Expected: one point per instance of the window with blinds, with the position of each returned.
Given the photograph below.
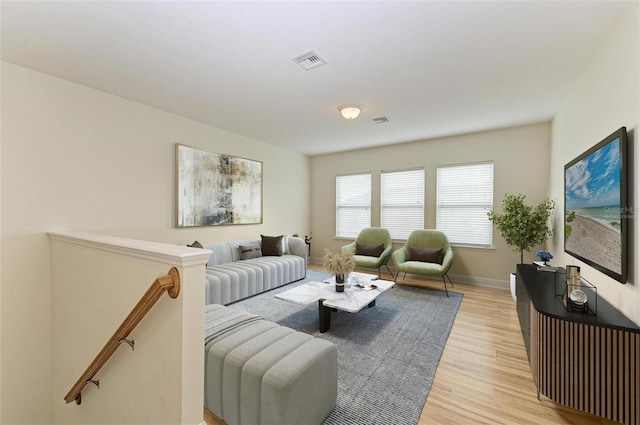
(464, 196)
(353, 204)
(402, 202)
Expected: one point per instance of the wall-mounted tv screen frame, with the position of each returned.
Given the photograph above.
(596, 208)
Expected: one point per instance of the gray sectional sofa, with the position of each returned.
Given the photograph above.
(231, 278)
(258, 372)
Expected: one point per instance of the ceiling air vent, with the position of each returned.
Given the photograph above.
(381, 120)
(309, 60)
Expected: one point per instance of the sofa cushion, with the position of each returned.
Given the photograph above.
(369, 249)
(426, 255)
(249, 251)
(272, 245)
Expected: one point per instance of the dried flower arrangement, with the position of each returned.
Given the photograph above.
(339, 264)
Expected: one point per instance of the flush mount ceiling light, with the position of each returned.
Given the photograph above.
(350, 112)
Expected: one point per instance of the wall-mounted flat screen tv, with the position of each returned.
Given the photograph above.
(596, 209)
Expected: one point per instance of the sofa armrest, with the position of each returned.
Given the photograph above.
(298, 247)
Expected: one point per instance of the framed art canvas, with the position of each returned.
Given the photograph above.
(216, 189)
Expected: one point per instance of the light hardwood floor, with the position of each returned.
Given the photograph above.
(483, 376)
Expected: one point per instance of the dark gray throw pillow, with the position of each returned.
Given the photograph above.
(249, 251)
(427, 255)
(369, 249)
(272, 245)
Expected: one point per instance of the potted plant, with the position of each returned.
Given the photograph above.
(522, 226)
(340, 264)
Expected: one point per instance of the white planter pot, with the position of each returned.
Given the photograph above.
(512, 285)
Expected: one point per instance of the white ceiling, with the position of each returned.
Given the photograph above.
(433, 68)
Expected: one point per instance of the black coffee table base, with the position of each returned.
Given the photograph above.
(324, 315)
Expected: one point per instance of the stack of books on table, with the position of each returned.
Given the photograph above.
(544, 267)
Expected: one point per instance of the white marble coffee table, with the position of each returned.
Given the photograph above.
(353, 299)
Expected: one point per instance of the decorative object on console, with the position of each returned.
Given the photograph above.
(216, 189)
(576, 293)
(521, 225)
(543, 265)
(544, 268)
(578, 297)
(544, 256)
(339, 264)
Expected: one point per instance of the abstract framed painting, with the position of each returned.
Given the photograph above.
(215, 189)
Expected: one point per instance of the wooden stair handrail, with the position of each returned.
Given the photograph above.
(169, 283)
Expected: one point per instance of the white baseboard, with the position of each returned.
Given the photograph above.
(456, 278)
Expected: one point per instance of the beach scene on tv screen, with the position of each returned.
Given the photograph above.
(592, 207)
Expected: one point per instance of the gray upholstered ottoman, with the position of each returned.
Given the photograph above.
(257, 372)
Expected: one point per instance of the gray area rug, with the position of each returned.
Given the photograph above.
(387, 354)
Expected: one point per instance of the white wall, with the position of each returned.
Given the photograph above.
(74, 158)
(521, 165)
(605, 98)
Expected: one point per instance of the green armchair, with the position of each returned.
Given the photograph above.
(426, 253)
(372, 248)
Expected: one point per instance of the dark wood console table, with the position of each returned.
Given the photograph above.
(588, 362)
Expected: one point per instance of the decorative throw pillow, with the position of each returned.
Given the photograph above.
(196, 244)
(369, 249)
(272, 245)
(427, 255)
(249, 251)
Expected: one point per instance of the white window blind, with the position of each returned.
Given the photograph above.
(464, 196)
(402, 202)
(353, 204)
